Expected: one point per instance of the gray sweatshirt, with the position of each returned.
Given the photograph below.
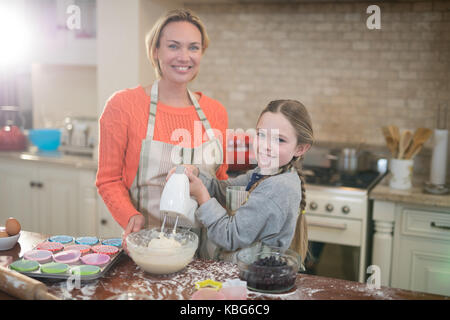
(269, 215)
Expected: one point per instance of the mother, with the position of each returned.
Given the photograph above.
(137, 127)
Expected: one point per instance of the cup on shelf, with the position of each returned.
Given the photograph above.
(401, 173)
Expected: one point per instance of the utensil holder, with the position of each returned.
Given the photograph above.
(401, 173)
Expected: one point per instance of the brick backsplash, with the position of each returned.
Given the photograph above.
(352, 80)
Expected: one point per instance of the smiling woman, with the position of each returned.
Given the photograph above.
(190, 29)
(177, 56)
(138, 125)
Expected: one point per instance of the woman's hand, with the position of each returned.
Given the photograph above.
(197, 188)
(135, 224)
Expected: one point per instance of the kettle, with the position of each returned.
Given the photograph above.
(11, 135)
(176, 200)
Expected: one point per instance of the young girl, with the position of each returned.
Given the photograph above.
(275, 207)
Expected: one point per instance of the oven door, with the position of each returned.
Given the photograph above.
(334, 230)
(334, 247)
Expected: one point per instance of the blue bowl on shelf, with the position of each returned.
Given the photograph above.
(45, 139)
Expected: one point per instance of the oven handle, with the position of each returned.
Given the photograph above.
(340, 226)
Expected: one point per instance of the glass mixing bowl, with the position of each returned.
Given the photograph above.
(161, 259)
(268, 269)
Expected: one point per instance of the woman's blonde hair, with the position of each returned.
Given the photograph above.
(300, 120)
(152, 39)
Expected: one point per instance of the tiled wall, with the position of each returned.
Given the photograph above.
(352, 79)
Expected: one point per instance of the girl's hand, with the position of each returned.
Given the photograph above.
(188, 168)
(135, 224)
(197, 188)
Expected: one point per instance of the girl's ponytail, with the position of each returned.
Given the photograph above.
(300, 241)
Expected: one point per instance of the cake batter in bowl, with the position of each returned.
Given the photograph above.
(159, 252)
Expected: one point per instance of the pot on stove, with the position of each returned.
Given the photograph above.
(351, 160)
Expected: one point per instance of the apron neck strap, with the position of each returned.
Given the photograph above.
(152, 115)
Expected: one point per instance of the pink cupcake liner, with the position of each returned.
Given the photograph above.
(41, 256)
(67, 257)
(105, 249)
(50, 246)
(83, 248)
(95, 259)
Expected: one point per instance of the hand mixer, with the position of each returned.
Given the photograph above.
(176, 201)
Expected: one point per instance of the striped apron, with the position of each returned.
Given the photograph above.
(157, 158)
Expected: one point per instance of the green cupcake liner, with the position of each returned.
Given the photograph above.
(85, 270)
(24, 265)
(54, 267)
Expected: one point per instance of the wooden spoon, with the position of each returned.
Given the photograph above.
(420, 137)
(389, 141)
(405, 141)
(395, 133)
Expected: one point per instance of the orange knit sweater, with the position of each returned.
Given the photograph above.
(123, 126)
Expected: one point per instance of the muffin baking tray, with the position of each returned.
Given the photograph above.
(61, 257)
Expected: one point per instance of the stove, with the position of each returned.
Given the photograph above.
(329, 177)
(338, 212)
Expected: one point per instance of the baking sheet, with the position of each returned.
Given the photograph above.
(68, 274)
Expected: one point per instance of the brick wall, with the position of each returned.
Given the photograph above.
(353, 80)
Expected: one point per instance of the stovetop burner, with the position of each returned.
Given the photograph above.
(331, 177)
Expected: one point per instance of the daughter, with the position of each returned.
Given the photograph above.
(274, 210)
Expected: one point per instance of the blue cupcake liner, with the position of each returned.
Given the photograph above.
(116, 242)
(90, 241)
(63, 239)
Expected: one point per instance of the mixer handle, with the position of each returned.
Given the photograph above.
(179, 169)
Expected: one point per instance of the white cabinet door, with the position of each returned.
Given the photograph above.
(430, 272)
(424, 265)
(107, 226)
(58, 200)
(87, 210)
(17, 198)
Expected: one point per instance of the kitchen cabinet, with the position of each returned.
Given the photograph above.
(48, 198)
(107, 227)
(421, 260)
(16, 195)
(411, 246)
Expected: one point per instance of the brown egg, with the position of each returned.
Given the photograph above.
(4, 234)
(12, 226)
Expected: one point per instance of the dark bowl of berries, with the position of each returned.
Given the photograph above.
(268, 269)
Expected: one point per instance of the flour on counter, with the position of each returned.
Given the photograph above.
(87, 290)
(181, 285)
(178, 286)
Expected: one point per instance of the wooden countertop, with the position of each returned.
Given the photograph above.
(127, 277)
(415, 195)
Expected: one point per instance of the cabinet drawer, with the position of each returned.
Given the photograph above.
(425, 224)
(334, 230)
